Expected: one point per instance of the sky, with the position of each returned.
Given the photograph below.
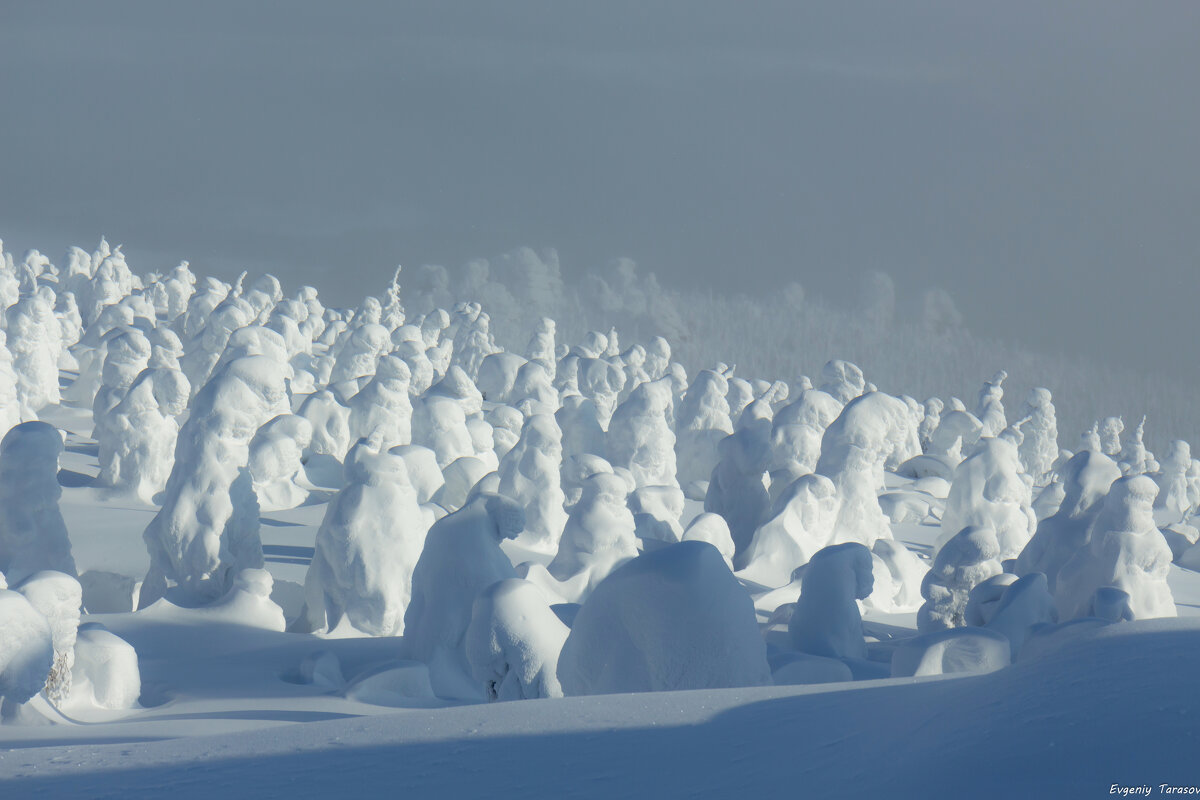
(1036, 159)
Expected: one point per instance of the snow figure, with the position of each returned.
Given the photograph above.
(473, 343)
(178, 288)
(736, 490)
(1086, 480)
(540, 349)
(137, 438)
(842, 380)
(640, 437)
(1135, 458)
(209, 294)
(1091, 439)
(506, 424)
(740, 395)
(656, 513)
(461, 558)
(634, 359)
(127, 353)
(383, 407)
(601, 381)
(513, 642)
(330, 422)
(672, 619)
(275, 462)
(10, 404)
(529, 474)
(534, 390)
(423, 471)
(967, 559)
(599, 535)
(439, 423)
(990, 409)
(367, 547)
(1173, 482)
(929, 423)
(658, 358)
(579, 420)
(90, 352)
(70, 324)
(497, 374)
(419, 366)
(898, 576)
(711, 528)
(207, 528)
(355, 362)
(957, 433)
(826, 621)
(26, 650)
(801, 523)
(1039, 449)
(206, 349)
(871, 430)
(111, 281)
(1111, 429)
(35, 359)
(1125, 551)
(703, 421)
(33, 536)
(106, 671)
(58, 597)
(990, 489)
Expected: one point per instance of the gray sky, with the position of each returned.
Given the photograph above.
(1039, 160)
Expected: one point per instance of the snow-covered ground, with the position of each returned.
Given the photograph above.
(256, 547)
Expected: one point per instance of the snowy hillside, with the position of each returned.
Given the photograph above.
(257, 546)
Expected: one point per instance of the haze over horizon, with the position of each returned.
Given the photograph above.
(1037, 162)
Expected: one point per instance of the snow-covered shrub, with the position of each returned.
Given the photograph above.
(826, 620)
(33, 536)
(34, 340)
(672, 619)
(702, 422)
(802, 523)
(1125, 551)
(382, 408)
(600, 534)
(276, 461)
(461, 558)
(330, 422)
(1172, 480)
(640, 437)
(711, 528)
(1039, 448)
(58, 597)
(991, 490)
(207, 528)
(967, 559)
(990, 409)
(137, 437)
(1086, 480)
(367, 546)
(797, 429)
(736, 489)
(513, 642)
(870, 431)
(26, 649)
(529, 474)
